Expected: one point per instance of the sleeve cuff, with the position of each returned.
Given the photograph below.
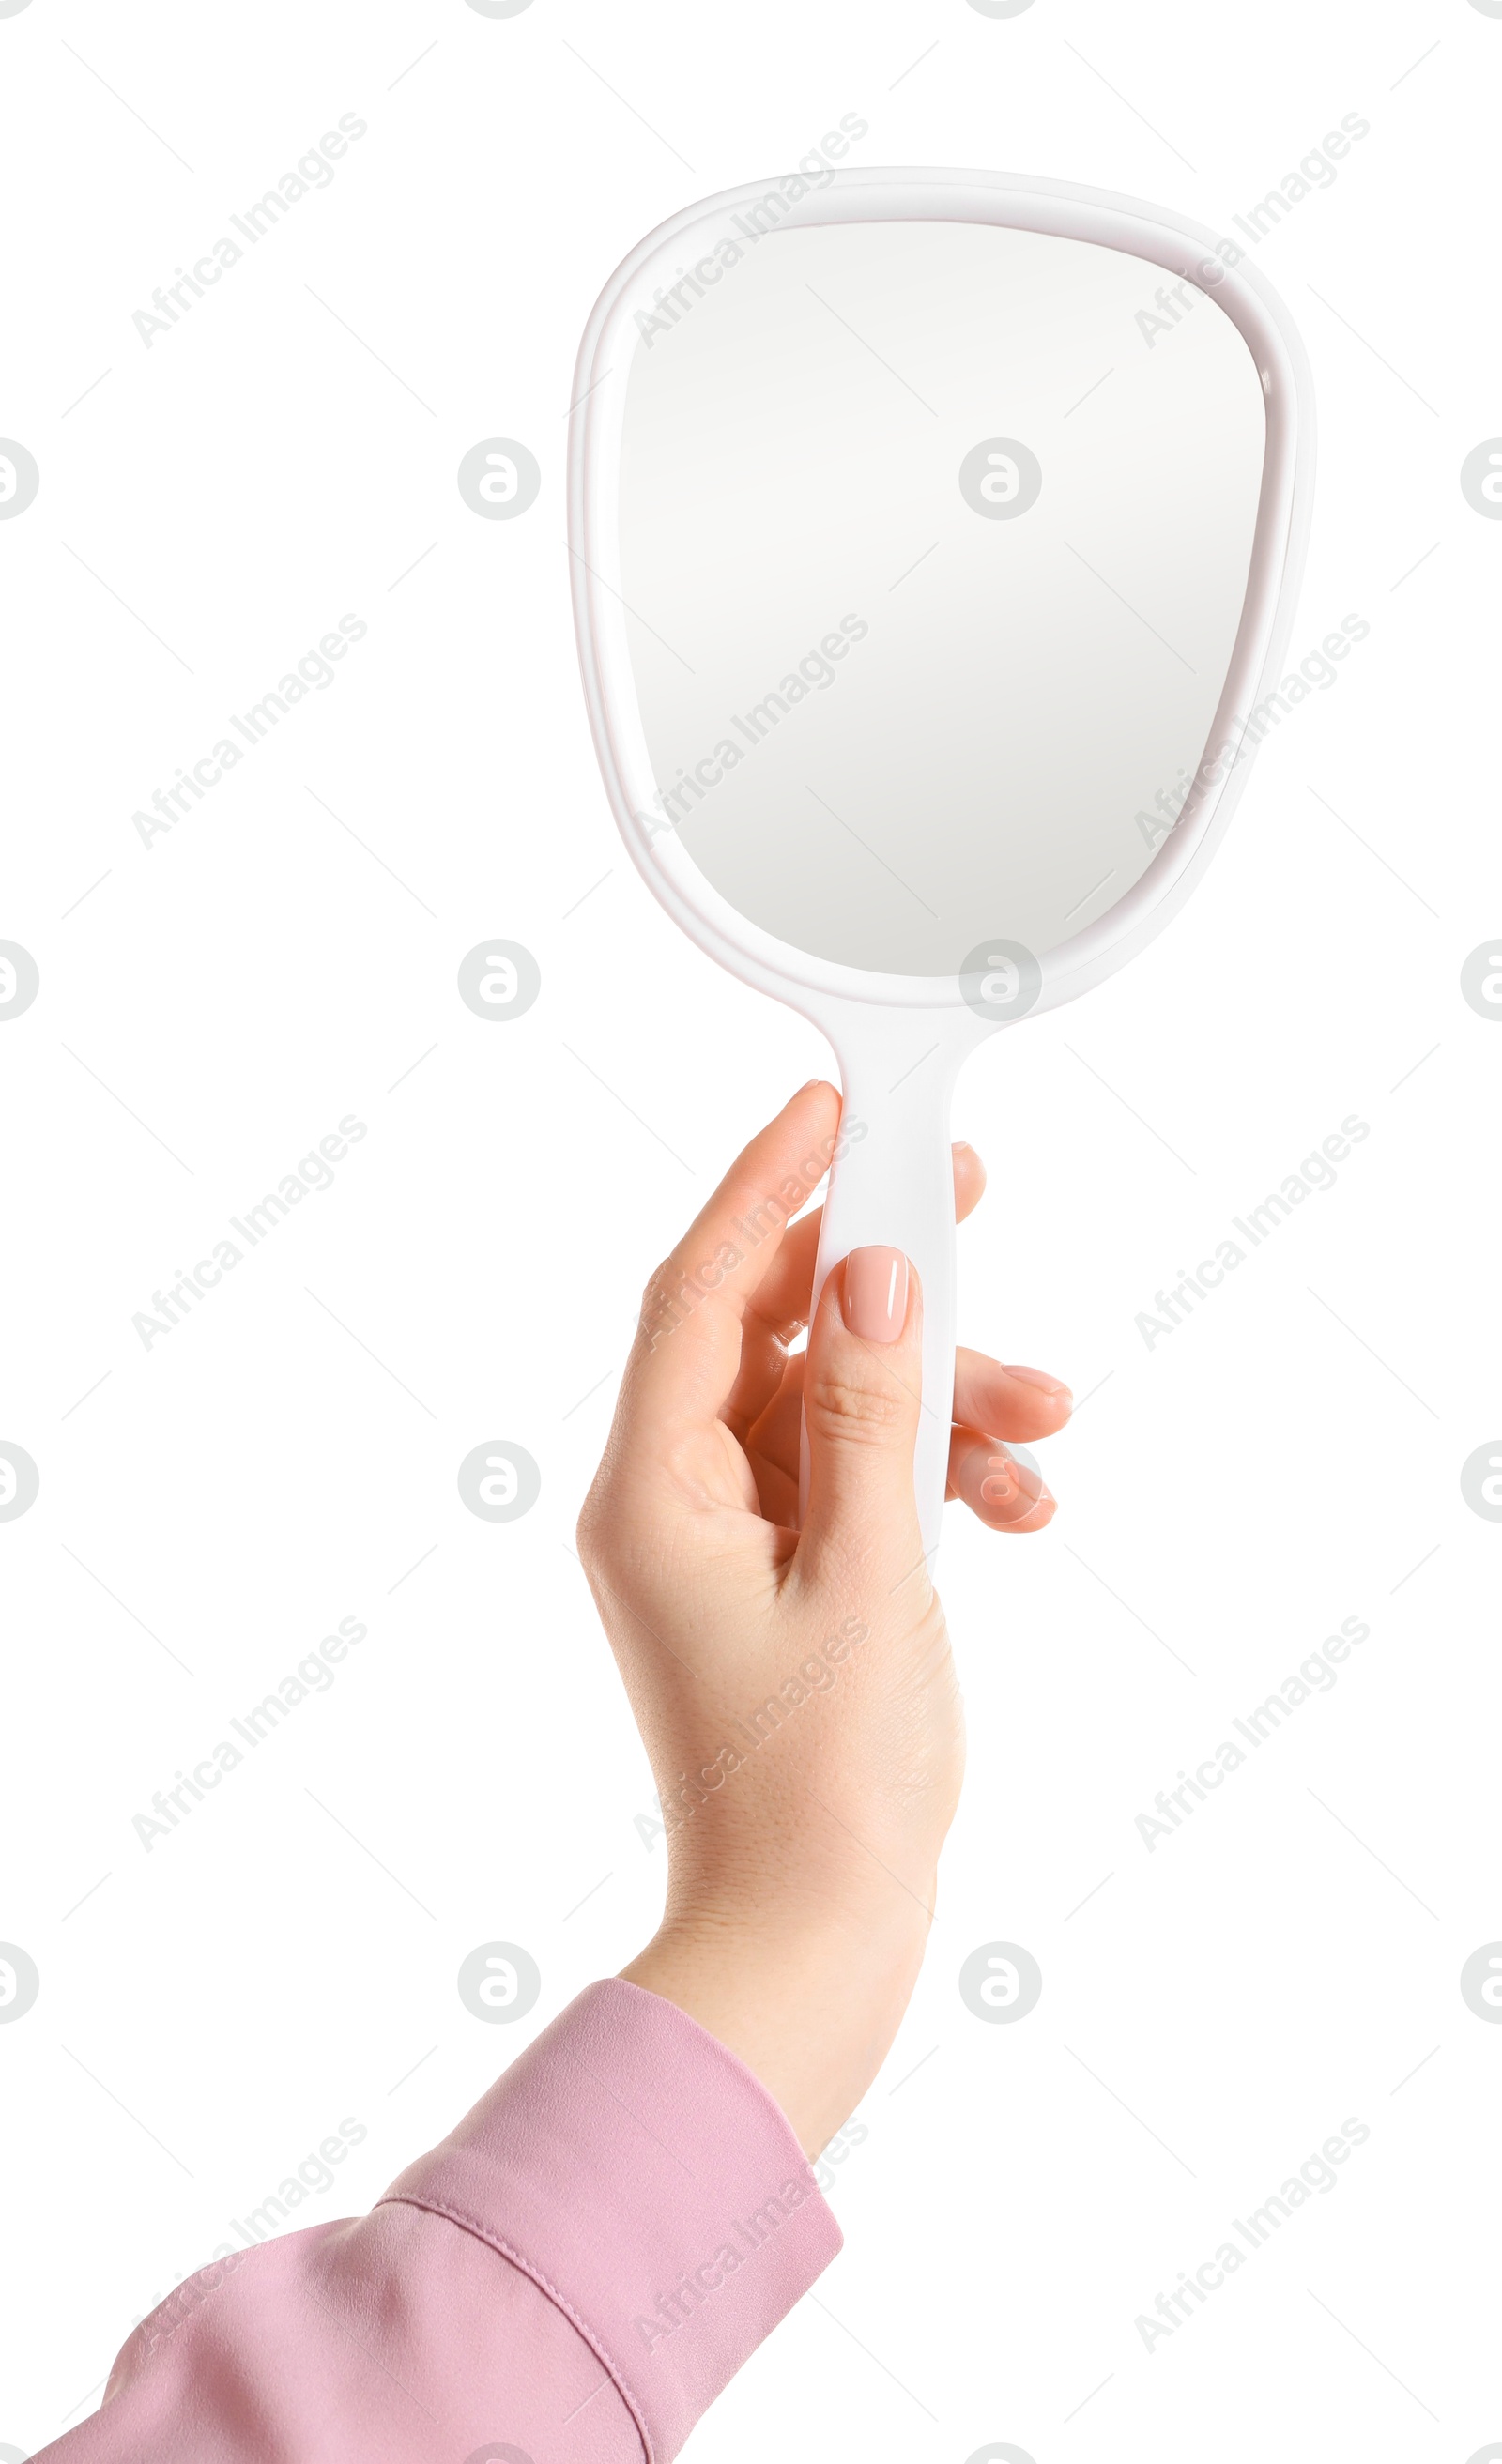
(650, 2185)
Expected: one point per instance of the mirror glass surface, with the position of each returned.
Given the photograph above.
(935, 539)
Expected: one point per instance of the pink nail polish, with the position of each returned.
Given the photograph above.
(1004, 1491)
(876, 1294)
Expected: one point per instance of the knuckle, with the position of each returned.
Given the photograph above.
(846, 1408)
(658, 1284)
(661, 1302)
(591, 1530)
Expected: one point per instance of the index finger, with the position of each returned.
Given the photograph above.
(688, 1344)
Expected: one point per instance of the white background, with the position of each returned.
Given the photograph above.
(1290, 1457)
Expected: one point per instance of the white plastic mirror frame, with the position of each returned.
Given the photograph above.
(894, 1187)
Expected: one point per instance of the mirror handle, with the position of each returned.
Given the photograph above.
(892, 1184)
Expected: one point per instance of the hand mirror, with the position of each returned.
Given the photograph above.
(935, 536)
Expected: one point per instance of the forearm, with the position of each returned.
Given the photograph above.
(616, 2225)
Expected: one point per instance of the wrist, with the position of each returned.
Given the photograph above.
(811, 2009)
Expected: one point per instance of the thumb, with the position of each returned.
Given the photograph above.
(862, 1386)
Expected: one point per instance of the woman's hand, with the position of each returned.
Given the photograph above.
(794, 1689)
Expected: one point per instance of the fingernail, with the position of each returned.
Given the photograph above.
(876, 1294)
(1040, 1378)
(1001, 1489)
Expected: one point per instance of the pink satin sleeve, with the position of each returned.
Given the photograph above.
(570, 2279)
